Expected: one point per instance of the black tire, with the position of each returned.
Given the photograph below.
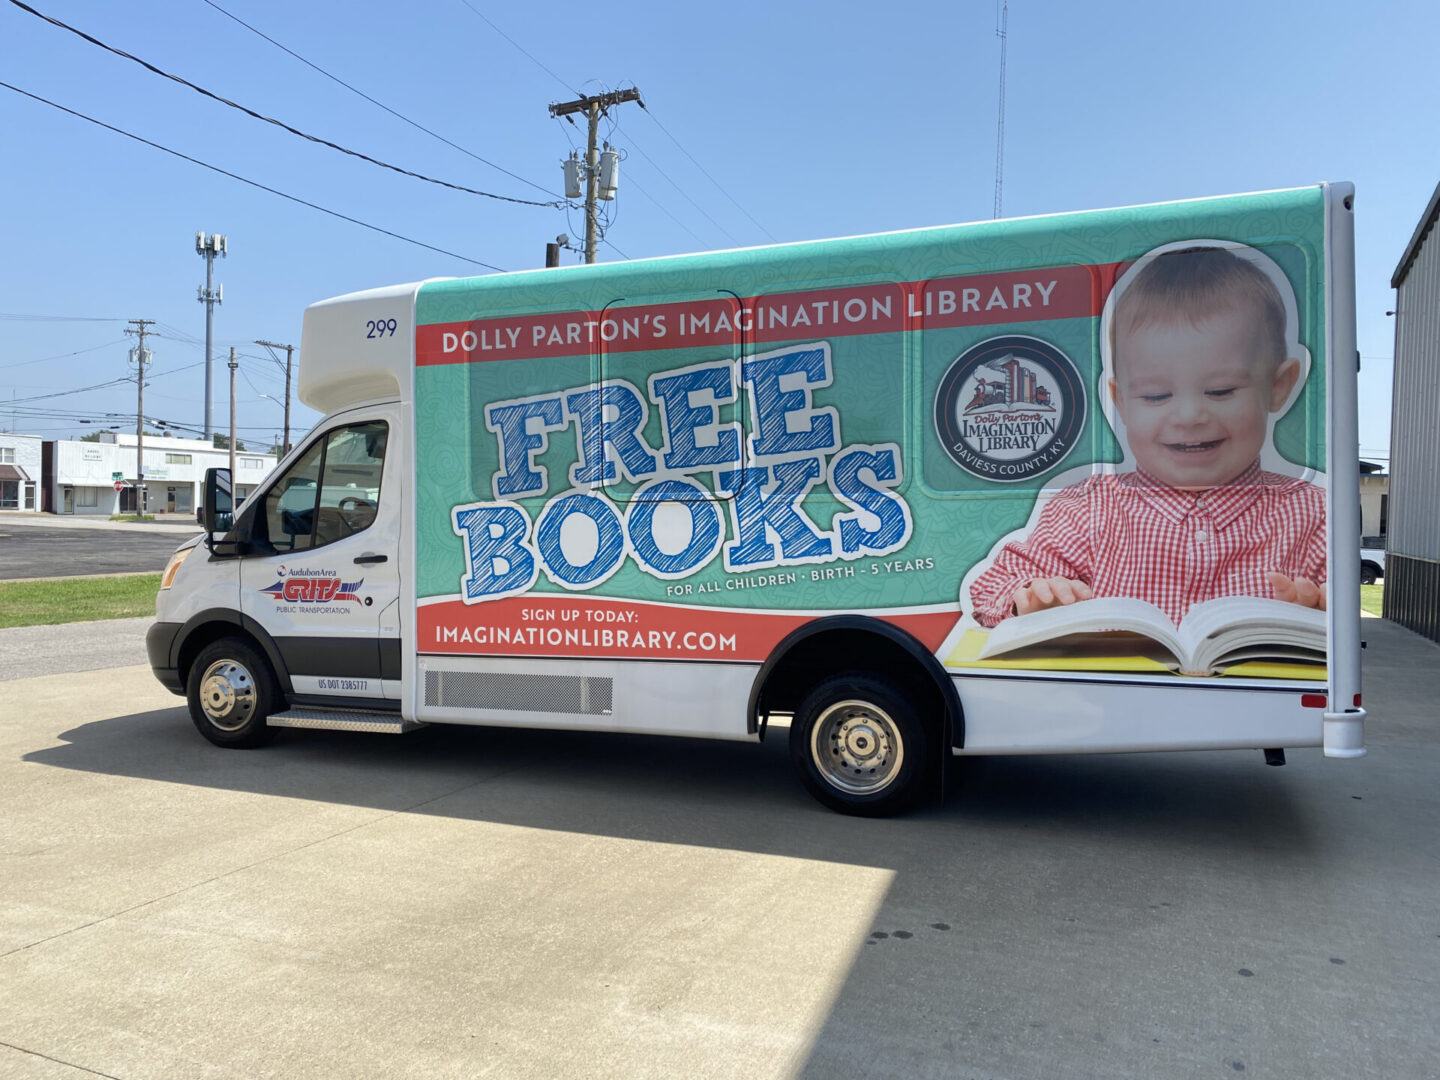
(231, 690)
(1368, 576)
(861, 745)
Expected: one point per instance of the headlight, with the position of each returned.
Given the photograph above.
(173, 566)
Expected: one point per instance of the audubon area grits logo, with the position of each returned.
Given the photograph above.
(1010, 408)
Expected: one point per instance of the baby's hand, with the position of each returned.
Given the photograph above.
(1049, 592)
(1299, 590)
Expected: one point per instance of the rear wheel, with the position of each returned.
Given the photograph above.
(231, 691)
(1368, 576)
(861, 746)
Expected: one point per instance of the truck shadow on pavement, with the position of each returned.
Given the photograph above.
(1034, 876)
(731, 795)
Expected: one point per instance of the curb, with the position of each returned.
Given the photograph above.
(81, 577)
(26, 519)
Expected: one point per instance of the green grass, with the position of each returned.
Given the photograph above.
(1372, 598)
(132, 517)
(44, 603)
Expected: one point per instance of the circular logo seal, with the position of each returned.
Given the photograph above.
(1010, 408)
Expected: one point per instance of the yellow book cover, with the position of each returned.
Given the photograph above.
(1249, 637)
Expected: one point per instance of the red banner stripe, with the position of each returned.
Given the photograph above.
(1066, 292)
(580, 626)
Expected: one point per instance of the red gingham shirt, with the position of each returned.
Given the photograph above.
(1128, 534)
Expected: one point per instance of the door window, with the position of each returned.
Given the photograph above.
(331, 492)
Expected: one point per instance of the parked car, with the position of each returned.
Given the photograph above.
(1372, 559)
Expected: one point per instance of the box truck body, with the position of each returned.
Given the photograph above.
(913, 491)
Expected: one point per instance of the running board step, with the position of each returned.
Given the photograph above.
(382, 723)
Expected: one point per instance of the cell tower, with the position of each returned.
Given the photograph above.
(1002, 28)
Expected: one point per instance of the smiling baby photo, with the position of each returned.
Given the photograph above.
(1201, 358)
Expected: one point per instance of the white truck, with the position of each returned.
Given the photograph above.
(955, 491)
(1372, 559)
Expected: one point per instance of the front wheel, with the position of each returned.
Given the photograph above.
(1368, 576)
(861, 746)
(231, 691)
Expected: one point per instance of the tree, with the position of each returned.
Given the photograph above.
(222, 442)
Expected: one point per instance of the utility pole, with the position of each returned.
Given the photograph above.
(234, 488)
(1002, 31)
(595, 107)
(207, 247)
(285, 446)
(142, 357)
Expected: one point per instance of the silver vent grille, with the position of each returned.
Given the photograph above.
(579, 694)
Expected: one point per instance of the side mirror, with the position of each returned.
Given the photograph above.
(217, 511)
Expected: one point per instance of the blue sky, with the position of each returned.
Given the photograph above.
(805, 121)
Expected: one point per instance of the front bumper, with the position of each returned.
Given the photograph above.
(160, 648)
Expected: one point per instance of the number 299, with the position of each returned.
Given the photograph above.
(378, 328)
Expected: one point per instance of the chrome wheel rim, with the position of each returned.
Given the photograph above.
(227, 695)
(856, 747)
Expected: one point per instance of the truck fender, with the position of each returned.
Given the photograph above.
(214, 623)
(855, 628)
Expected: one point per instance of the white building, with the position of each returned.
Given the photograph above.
(1374, 501)
(19, 472)
(84, 475)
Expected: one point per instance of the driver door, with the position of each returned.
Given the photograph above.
(323, 562)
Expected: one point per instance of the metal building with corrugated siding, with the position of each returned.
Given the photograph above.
(1412, 564)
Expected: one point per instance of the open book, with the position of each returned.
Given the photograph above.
(1213, 635)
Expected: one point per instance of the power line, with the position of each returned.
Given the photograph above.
(36, 413)
(264, 371)
(112, 419)
(63, 356)
(664, 209)
(174, 333)
(246, 376)
(279, 123)
(243, 180)
(378, 104)
(177, 370)
(565, 130)
(702, 168)
(57, 318)
(677, 187)
(64, 393)
(517, 45)
(616, 127)
(104, 385)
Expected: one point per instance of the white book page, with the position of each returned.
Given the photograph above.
(1212, 630)
(1084, 616)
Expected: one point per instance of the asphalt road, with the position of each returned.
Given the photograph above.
(31, 551)
(462, 902)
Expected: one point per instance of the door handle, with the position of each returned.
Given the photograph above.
(366, 560)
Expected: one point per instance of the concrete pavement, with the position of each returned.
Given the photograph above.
(28, 651)
(468, 902)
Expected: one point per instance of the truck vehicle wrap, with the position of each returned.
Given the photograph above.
(685, 495)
